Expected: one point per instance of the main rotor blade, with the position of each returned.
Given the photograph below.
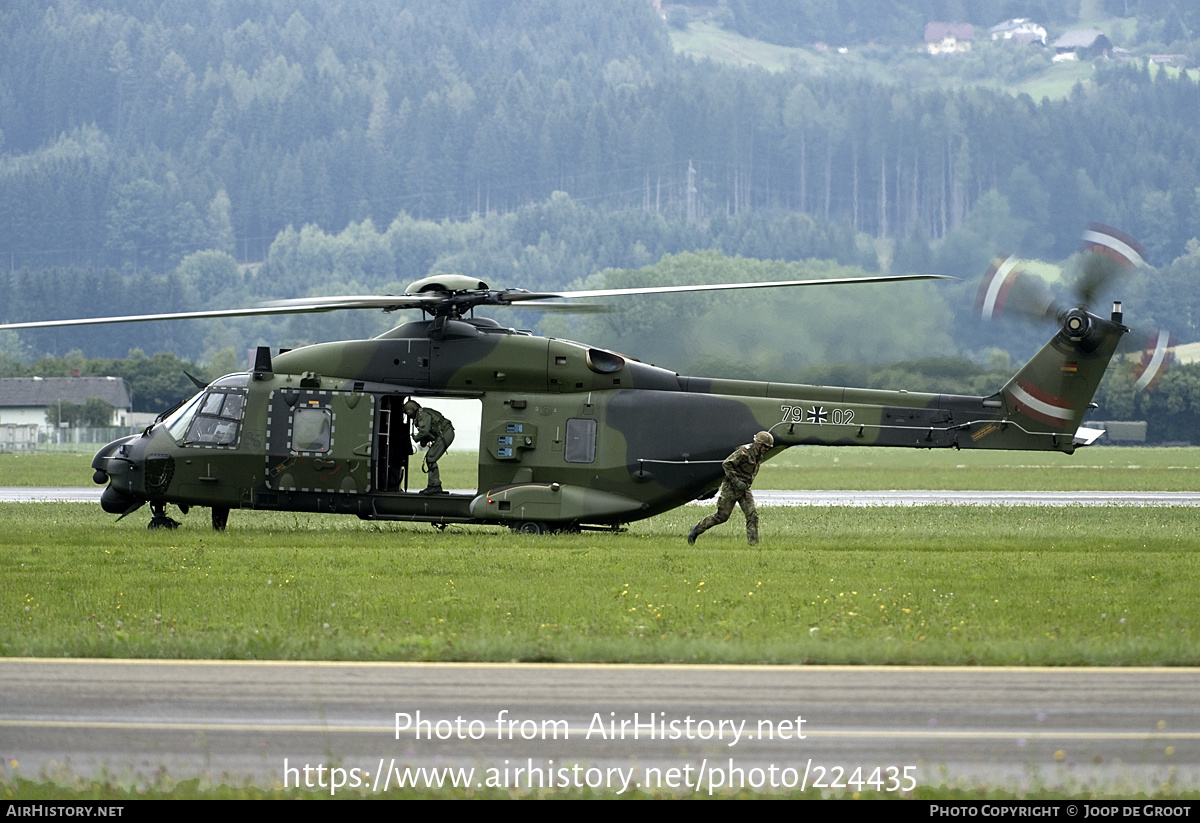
(305, 305)
(386, 302)
(770, 284)
(143, 318)
(433, 299)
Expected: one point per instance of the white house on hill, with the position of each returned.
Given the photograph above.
(948, 38)
(1021, 29)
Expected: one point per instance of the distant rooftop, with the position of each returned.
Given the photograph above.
(26, 392)
(1079, 39)
(936, 32)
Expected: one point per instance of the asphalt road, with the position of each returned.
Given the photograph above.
(698, 728)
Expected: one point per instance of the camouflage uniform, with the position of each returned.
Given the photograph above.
(435, 431)
(740, 470)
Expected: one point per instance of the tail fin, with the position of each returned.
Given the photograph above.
(1052, 392)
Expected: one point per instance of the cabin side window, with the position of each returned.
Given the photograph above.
(311, 430)
(581, 440)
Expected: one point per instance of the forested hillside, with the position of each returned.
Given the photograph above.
(159, 155)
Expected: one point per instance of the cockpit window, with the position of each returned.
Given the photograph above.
(211, 418)
(178, 421)
(237, 380)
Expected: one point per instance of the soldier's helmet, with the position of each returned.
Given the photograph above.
(765, 438)
(411, 408)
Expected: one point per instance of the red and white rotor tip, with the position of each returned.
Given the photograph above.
(1156, 356)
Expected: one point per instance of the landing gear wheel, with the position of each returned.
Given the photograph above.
(220, 518)
(159, 519)
(530, 527)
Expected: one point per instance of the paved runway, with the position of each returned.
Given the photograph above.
(678, 729)
(768, 497)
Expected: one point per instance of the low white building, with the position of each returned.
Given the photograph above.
(1085, 44)
(24, 400)
(948, 38)
(1021, 29)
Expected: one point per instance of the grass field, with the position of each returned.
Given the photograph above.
(710, 41)
(816, 467)
(1096, 469)
(992, 585)
(987, 585)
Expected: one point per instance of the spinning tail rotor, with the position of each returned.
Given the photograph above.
(1008, 289)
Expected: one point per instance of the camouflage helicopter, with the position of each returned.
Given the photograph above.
(573, 436)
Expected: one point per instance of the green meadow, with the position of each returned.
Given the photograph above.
(820, 467)
(943, 585)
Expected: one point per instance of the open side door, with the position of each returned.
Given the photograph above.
(393, 446)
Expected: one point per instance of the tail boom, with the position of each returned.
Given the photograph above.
(1041, 408)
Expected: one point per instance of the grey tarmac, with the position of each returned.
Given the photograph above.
(241, 720)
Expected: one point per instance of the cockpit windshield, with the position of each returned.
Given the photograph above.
(177, 422)
(211, 418)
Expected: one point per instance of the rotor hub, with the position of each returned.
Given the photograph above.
(1076, 324)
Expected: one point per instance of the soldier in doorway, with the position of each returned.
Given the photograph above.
(434, 433)
(740, 470)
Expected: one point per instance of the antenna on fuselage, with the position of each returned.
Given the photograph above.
(262, 363)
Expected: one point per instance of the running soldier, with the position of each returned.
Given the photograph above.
(740, 470)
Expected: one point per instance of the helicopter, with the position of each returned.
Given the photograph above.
(573, 436)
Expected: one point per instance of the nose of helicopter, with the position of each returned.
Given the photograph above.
(114, 501)
(118, 464)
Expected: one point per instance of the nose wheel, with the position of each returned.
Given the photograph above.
(220, 518)
(159, 519)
